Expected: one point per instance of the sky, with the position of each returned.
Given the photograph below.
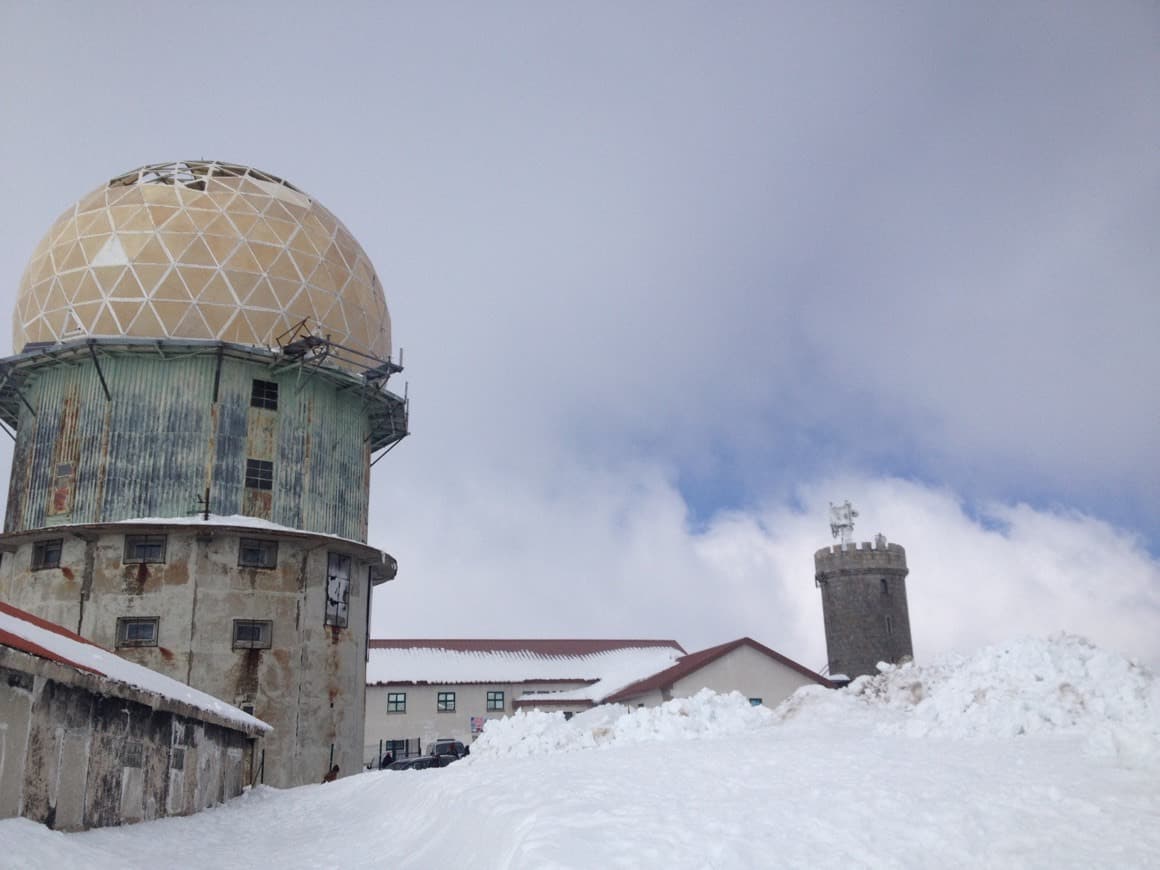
(1029, 754)
(668, 279)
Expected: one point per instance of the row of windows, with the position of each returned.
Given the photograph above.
(143, 630)
(444, 702)
(252, 552)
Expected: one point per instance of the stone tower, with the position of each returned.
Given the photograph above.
(863, 605)
(198, 390)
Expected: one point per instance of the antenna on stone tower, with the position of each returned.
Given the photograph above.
(842, 522)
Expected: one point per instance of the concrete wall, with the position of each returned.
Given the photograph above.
(309, 684)
(864, 606)
(747, 671)
(79, 751)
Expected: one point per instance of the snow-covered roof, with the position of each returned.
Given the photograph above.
(695, 661)
(236, 521)
(602, 667)
(23, 631)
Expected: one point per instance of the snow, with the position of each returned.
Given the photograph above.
(986, 760)
(609, 671)
(114, 667)
(233, 521)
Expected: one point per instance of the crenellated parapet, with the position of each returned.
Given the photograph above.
(855, 559)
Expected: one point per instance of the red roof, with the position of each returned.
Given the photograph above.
(694, 661)
(538, 647)
(20, 643)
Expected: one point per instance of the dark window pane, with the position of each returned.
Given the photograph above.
(259, 474)
(264, 394)
(46, 554)
(252, 633)
(144, 548)
(137, 631)
(257, 553)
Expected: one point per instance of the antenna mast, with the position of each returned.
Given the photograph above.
(842, 522)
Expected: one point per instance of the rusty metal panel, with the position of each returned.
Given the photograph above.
(154, 447)
(159, 414)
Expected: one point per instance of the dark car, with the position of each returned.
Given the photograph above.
(447, 748)
(421, 762)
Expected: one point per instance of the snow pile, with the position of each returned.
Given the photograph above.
(1062, 684)
(706, 714)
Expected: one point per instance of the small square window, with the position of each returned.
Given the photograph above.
(494, 700)
(177, 758)
(259, 474)
(396, 702)
(134, 753)
(445, 702)
(46, 554)
(264, 394)
(257, 553)
(252, 633)
(144, 548)
(137, 631)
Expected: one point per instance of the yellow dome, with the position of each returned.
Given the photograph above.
(201, 250)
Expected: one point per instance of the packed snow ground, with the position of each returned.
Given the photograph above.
(1031, 754)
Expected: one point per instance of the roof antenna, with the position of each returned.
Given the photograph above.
(842, 522)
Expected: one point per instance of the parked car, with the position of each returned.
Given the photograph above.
(422, 762)
(445, 747)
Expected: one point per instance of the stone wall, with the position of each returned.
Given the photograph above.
(78, 750)
(864, 606)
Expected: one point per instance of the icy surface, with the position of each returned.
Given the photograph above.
(979, 761)
(103, 662)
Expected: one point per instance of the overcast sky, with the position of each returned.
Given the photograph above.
(672, 277)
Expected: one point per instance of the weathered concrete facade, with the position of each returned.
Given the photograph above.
(304, 671)
(78, 750)
(864, 606)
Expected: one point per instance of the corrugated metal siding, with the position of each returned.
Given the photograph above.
(147, 452)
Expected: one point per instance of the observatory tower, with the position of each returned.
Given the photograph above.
(198, 389)
(863, 599)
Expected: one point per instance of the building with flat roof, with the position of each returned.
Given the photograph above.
(422, 690)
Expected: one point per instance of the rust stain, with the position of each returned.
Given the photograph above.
(68, 573)
(60, 499)
(258, 503)
(247, 681)
(166, 654)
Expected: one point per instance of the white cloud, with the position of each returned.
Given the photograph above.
(612, 552)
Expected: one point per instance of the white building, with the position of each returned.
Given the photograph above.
(420, 690)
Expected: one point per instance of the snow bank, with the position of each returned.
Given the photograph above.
(1059, 685)
(706, 714)
(1063, 684)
